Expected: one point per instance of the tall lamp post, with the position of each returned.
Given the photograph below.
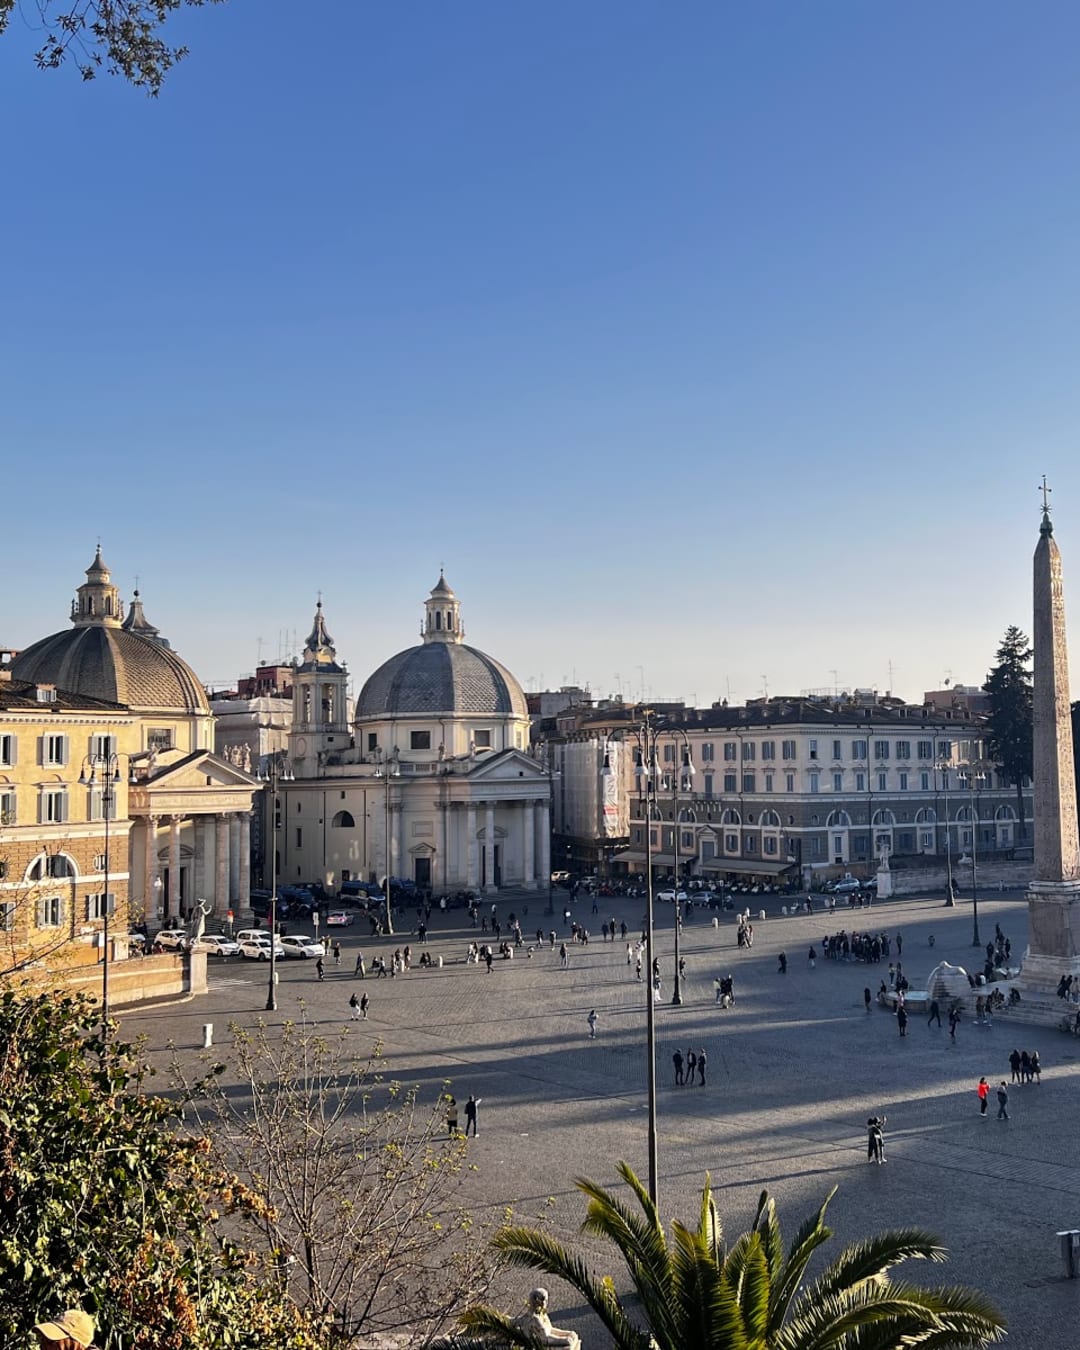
(278, 771)
(647, 774)
(950, 895)
(975, 767)
(104, 770)
(386, 769)
(682, 776)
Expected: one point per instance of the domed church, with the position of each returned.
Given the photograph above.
(432, 782)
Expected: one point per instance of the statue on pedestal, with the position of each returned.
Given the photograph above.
(537, 1323)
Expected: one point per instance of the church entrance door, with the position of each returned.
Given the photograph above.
(422, 873)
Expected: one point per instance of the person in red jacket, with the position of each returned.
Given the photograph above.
(984, 1093)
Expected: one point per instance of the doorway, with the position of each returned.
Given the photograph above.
(422, 873)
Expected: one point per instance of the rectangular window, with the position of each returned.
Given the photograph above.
(159, 738)
(669, 753)
(95, 805)
(708, 850)
(861, 843)
(8, 812)
(838, 750)
(903, 749)
(420, 740)
(708, 781)
(731, 843)
(730, 783)
(860, 782)
(730, 751)
(926, 749)
(9, 749)
(1006, 834)
(50, 912)
(768, 844)
(372, 741)
(707, 749)
(882, 782)
(789, 782)
(749, 750)
(95, 905)
(838, 844)
(924, 782)
(926, 839)
(787, 749)
(102, 747)
(903, 782)
(944, 749)
(965, 838)
(751, 843)
(99, 862)
(881, 749)
(815, 782)
(749, 783)
(7, 916)
(768, 749)
(816, 849)
(482, 740)
(299, 837)
(858, 749)
(768, 782)
(54, 750)
(53, 808)
(813, 748)
(654, 839)
(687, 837)
(838, 782)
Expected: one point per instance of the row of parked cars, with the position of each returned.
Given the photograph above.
(253, 944)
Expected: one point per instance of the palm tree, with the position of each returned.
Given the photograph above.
(696, 1294)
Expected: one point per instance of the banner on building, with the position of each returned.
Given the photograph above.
(609, 803)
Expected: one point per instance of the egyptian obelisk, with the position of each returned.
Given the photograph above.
(1054, 894)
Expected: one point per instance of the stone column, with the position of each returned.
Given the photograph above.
(150, 869)
(472, 868)
(221, 859)
(489, 846)
(243, 894)
(528, 821)
(234, 858)
(172, 900)
(545, 842)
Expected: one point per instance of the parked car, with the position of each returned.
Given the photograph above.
(258, 949)
(846, 886)
(300, 945)
(216, 945)
(171, 940)
(668, 896)
(340, 918)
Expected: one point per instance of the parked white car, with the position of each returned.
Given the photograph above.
(340, 918)
(296, 944)
(668, 896)
(214, 944)
(171, 940)
(258, 949)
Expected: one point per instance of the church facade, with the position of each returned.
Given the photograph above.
(432, 781)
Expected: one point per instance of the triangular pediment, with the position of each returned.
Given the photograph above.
(509, 766)
(200, 770)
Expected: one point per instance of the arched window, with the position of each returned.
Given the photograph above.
(343, 821)
(687, 817)
(54, 865)
(731, 818)
(884, 818)
(1004, 813)
(927, 816)
(438, 619)
(770, 820)
(838, 820)
(964, 813)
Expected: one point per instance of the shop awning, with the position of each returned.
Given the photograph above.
(740, 867)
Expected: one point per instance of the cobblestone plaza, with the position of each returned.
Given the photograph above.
(794, 1069)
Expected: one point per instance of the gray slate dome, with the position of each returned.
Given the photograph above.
(441, 677)
(113, 664)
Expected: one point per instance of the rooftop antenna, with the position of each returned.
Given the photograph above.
(891, 673)
(835, 683)
(765, 686)
(618, 684)
(641, 681)
(727, 686)
(258, 651)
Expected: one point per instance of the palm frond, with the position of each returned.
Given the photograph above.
(754, 1292)
(905, 1315)
(872, 1258)
(710, 1228)
(767, 1224)
(706, 1309)
(812, 1232)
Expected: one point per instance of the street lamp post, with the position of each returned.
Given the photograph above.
(106, 769)
(950, 896)
(278, 771)
(647, 772)
(386, 769)
(975, 939)
(682, 776)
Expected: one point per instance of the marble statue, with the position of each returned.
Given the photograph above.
(537, 1322)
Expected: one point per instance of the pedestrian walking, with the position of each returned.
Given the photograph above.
(701, 1063)
(875, 1139)
(1014, 1064)
(470, 1115)
(901, 1019)
(1036, 1068)
(592, 1020)
(677, 1060)
(637, 969)
(359, 968)
(354, 1004)
(488, 959)
(319, 969)
(783, 965)
(451, 1115)
(866, 998)
(812, 958)
(691, 1067)
(1003, 1101)
(984, 1095)
(564, 959)
(1025, 1067)
(899, 944)
(954, 1021)
(363, 1006)
(718, 985)
(337, 953)
(935, 1013)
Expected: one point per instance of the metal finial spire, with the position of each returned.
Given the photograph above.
(1047, 527)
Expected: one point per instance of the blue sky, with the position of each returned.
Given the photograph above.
(704, 345)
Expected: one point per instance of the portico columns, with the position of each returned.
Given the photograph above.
(172, 900)
(234, 858)
(221, 860)
(489, 847)
(545, 841)
(471, 868)
(529, 822)
(150, 870)
(243, 894)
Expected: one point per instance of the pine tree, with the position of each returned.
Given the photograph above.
(1011, 738)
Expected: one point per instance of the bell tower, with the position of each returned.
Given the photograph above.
(320, 694)
(97, 601)
(442, 619)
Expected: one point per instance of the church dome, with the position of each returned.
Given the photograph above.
(104, 657)
(442, 676)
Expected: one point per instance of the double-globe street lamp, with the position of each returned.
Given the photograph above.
(102, 772)
(975, 768)
(387, 768)
(278, 770)
(950, 894)
(682, 776)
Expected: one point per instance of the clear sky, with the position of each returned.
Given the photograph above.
(706, 345)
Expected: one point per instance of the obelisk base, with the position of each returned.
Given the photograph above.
(1054, 935)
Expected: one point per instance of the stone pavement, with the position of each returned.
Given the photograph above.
(794, 1069)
